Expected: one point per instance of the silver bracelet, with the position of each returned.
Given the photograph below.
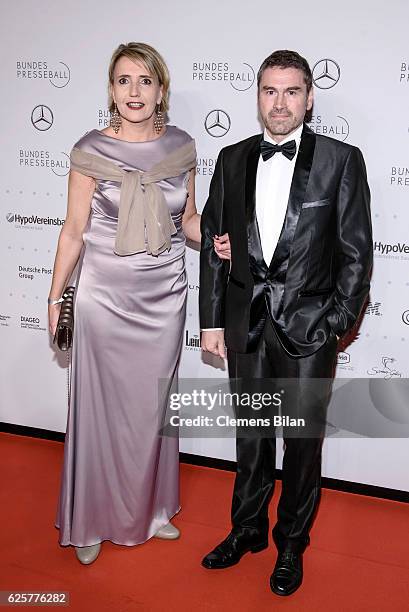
(52, 302)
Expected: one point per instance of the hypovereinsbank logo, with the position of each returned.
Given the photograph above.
(396, 250)
(32, 220)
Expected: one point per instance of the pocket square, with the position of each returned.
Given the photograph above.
(316, 203)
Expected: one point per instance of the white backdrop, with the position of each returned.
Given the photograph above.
(54, 71)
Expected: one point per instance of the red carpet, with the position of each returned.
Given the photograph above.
(358, 560)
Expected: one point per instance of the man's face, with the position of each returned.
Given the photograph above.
(283, 100)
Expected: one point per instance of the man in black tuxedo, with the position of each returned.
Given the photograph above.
(296, 207)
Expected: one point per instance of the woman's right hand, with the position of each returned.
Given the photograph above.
(53, 314)
(222, 246)
(70, 242)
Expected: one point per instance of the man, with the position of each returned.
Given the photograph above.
(296, 207)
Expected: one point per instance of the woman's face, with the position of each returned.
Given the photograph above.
(135, 91)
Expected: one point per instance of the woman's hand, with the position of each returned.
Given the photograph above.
(53, 314)
(222, 246)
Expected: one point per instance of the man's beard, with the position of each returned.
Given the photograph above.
(280, 126)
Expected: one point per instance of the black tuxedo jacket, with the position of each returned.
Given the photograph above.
(318, 279)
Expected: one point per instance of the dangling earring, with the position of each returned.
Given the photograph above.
(116, 120)
(158, 121)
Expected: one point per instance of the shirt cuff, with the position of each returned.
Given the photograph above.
(212, 329)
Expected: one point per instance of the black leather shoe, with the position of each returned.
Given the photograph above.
(287, 575)
(230, 551)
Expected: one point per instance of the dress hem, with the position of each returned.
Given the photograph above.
(119, 543)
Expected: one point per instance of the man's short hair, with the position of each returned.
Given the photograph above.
(287, 59)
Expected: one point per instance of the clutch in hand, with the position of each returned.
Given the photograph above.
(65, 325)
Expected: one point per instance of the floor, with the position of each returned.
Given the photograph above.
(357, 562)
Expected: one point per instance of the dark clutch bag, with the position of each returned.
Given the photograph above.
(65, 325)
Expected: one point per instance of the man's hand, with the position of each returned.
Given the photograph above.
(213, 342)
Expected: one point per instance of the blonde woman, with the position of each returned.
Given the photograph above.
(131, 207)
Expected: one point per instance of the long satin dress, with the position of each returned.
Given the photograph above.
(120, 478)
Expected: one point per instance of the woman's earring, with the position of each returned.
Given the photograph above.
(115, 120)
(158, 121)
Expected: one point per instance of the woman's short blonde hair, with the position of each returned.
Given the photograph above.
(147, 55)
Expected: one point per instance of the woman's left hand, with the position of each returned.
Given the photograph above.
(222, 246)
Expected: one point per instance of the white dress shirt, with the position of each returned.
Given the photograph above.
(273, 184)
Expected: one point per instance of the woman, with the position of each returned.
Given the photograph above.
(131, 204)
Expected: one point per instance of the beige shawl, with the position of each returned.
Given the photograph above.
(142, 205)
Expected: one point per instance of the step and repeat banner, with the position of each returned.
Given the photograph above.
(54, 65)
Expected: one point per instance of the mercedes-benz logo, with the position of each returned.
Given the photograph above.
(405, 317)
(217, 123)
(326, 73)
(42, 117)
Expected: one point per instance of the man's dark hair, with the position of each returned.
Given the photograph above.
(287, 59)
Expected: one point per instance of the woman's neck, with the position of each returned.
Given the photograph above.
(136, 132)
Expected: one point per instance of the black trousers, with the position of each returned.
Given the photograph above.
(301, 470)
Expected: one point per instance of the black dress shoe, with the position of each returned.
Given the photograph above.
(287, 575)
(230, 551)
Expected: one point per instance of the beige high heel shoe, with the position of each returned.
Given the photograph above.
(87, 554)
(168, 532)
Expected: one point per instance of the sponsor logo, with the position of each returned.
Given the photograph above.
(5, 320)
(373, 309)
(58, 74)
(205, 166)
(42, 117)
(32, 221)
(404, 73)
(399, 176)
(337, 127)
(405, 317)
(386, 250)
(343, 358)
(192, 343)
(29, 272)
(30, 322)
(240, 77)
(385, 370)
(326, 73)
(344, 362)
(58, 163)
(217, 123)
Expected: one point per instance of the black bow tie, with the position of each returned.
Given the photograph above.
(288, 149)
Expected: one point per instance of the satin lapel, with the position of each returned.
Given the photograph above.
(251, 174)
(296, 198)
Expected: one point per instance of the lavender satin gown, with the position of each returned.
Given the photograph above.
(120, 479)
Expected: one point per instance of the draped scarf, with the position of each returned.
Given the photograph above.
(144, 219)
